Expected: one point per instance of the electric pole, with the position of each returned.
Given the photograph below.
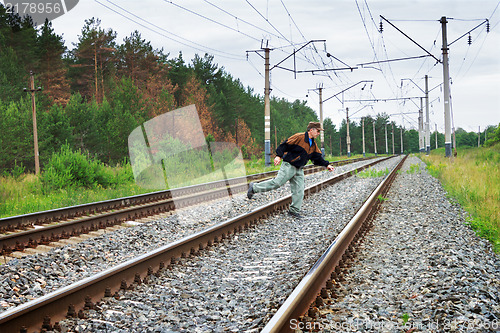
(374, 139)
(427, 129)
(446, 77)
(348, 138)
(363, 133)
(479, 137)
(32, 90)
(392, 125)
(322, 133)
(446, 85)
(386, 144)
(275, 137)
(401, 140)
(267, 91)
(454, 140)
(236, 129)
(436, 136)
(421, 127)
(267, 112)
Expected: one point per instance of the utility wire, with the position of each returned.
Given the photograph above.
(265, 19)
(473, 60)
(293, 21)
(211, 20)
(200, 47)
(228, 27)
(241, 20)
(281, 34)
(195, 45)
(383, 44)
(371, 43)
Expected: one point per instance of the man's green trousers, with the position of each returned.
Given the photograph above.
(286, 173)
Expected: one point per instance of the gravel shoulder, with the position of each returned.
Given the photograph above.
(420, 269)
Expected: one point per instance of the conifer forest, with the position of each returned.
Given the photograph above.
(93, 95)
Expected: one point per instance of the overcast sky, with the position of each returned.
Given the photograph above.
(228, 29)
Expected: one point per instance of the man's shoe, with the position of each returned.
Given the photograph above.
(296, 215)
(250, 191)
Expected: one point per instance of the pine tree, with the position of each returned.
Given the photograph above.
(178, 75)
(51, 69)
(16, 134)
(55, 131)
(196, 94)
(17, 44)
(137, 59)
(148, 70)
(22, 39)
(93, 60)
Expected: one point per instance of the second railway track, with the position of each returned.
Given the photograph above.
(31, 230)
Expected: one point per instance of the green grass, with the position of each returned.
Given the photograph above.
(473, 180)
(372, 173)
(381, 198)
(27, 195)
(405, 317)
(414, 168)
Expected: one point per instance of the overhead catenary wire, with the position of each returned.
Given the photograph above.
(231, 28)
(371, 43)
(382, 40)
(474, 59)
(179, 39)
(314, 53)
(321, 68)
(269, 22)
(313, 47)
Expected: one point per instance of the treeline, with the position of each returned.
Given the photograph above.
(95, 94)
(396, 135)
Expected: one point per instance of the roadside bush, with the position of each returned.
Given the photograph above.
(68, 168)
(17, 172)
(493, 138)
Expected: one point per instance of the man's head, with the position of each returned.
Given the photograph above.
(314, 129)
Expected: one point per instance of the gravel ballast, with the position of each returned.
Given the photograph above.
(238, 285)
(420, 269)
(32, 276)
(419, 264)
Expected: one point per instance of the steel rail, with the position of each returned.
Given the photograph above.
(165, 201)
(310, 286)
(53, 215)
(29, 316)
(49, 216)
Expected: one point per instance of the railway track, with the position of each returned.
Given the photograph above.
(20, 233)
(69, 301)
(321, 280)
